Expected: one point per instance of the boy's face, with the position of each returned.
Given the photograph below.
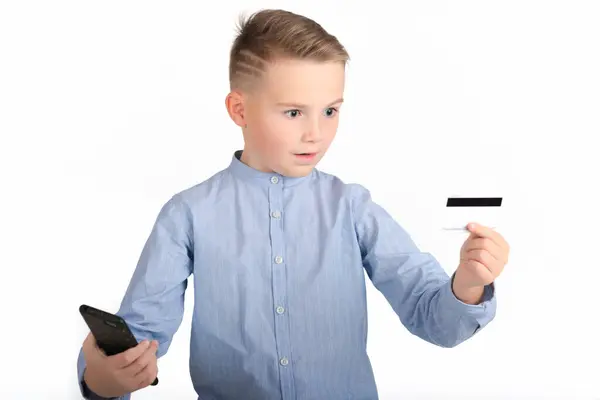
(291, 117)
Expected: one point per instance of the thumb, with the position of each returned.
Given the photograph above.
(89, 342)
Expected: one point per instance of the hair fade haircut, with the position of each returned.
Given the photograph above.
(270, 35)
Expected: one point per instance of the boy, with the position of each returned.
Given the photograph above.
(278, 249)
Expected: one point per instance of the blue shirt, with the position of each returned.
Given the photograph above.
(279, 267)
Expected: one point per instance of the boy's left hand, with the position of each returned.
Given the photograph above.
(482, 258)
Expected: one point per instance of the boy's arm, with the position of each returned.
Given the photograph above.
(154, 300)
(413, 282)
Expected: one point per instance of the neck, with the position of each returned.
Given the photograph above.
(252, 161)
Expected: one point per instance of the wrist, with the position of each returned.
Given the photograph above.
(467, 294)
(93, 389)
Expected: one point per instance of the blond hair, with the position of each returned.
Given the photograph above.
(269, 35)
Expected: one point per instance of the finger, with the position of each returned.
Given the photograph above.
(480, 270)
(122, 360)
(487, 245)
(484, 258)
(487, 232)
(142, 362)
(494, 235)
(147, 375)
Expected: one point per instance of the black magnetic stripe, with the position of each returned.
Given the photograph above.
(474, 202)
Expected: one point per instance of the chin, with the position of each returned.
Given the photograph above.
(298, 171)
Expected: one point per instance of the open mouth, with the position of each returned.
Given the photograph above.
(306, 155)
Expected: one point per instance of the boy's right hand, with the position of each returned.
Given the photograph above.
(119, 374)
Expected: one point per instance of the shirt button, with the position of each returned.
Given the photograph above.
(276, 214)
(274, 179)
(284, 361)
(278, 260)
(280, 310)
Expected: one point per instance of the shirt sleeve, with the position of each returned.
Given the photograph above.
(413, 282)
(153, 304)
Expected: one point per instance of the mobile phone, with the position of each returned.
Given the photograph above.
(111, 332)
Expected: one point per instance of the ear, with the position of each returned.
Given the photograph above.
(234, 102)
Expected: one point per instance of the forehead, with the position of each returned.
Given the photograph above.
(306, 82)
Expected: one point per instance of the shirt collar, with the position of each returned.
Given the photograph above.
(245, 172)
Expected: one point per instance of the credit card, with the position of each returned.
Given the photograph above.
(462, 210)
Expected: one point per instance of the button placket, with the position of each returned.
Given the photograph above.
(279, 267)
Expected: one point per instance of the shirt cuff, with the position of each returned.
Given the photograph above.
(483, 312)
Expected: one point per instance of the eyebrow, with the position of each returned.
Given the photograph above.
(297, 105)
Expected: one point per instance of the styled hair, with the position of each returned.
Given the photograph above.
(270, 35)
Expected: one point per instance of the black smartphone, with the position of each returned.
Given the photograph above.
(111, 332)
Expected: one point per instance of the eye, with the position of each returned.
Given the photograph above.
(330, 112)
(292, 113)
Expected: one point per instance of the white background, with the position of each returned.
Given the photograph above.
(109, 108)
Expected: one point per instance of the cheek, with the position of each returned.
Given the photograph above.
(330, 130)
(279, 132)
(271, 135)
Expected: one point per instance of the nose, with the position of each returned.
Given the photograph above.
(312, 132)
